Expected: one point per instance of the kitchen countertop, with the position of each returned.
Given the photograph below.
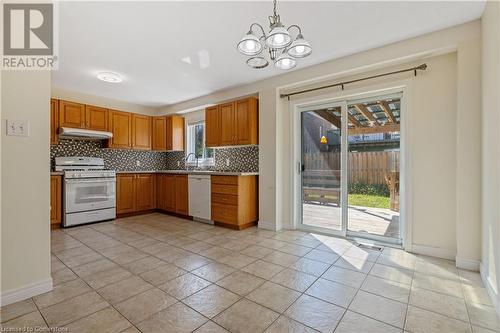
(196, 172)
(190, 172)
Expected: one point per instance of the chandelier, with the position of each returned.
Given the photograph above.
(283, 49)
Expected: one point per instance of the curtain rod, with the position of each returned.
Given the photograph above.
(422, 67)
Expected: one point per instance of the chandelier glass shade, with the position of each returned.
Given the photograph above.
(250, 45)
(283, 48)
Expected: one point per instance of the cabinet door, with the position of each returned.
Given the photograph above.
(144, 191)
(246, 121)
(159, 133)
(227, 124)
(141, 132)
(71, 114)
(55, 200)
(181, 194)
(176, 133)
(54, 120)
(120, 124)
(125, 193)
(170, 193)
(160, 191)
(96, 118)
(169, 133)
(212, 126)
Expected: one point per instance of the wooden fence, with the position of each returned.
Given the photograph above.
(363, 167)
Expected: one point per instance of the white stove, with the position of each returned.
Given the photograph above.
(89, 190)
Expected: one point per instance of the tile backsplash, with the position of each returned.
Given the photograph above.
(242, 159)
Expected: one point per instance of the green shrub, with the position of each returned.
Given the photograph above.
(369, 189)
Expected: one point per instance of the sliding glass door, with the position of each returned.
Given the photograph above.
(349, 168)
(321, 173)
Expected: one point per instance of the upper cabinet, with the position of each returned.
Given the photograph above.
(120, 124)
(246, 121)
(175, 133)
(168, 133)
(159, 133)
(76, 115)
(212, 126)
(96, 118)
(233, 123)
(141, 132)
(71, 114)
(54, 120)
(227, 124)
(130, 130)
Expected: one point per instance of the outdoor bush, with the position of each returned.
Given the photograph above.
(369, 189)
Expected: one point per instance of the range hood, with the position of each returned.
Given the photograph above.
(78, 133)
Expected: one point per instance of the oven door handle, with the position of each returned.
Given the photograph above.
(92, 180)
(93, 197)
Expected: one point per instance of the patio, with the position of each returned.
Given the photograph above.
(376, 221)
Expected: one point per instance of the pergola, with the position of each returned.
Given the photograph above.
(366, 118)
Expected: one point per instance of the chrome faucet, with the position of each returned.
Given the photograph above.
(187, 157)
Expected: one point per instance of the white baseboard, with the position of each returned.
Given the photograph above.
(267, 225)
(468, 264)
(433, 251)
(20, 294)
(489, 288)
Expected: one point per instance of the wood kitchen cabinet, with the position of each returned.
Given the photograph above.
(227, 124)
(144, 191)
(55, 200)
(175, 133)
(234, 201)
(96, 118)
(125, 193)
(232, 123)
(212, 126)
(168, 133)
(120, 124)
(172, 193)
(141, 132)
(246, 121)
(181, 194)
(71, 114)
(135, 192)
(54, 120)
(159, 133)
(77, 115)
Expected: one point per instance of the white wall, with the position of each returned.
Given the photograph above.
(446, 218)
(110, 103)
(431, 115)
(25, 193)
(490, 260)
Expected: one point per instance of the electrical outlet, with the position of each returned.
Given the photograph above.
(18, 127)
(138, 163)
(227, 162)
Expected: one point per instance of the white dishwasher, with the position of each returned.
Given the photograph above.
(200, 197)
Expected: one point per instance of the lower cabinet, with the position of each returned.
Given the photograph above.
(135, 192)
(172, 193)
(234, 201)
(55, 200)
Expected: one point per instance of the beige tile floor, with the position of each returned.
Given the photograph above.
(157, 273)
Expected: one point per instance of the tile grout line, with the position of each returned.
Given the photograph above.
(182, 234)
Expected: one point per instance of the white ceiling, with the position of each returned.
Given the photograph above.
(146, 42)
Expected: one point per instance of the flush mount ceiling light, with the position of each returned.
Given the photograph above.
(109, 77)
(283, 49)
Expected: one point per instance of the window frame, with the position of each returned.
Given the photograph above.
(190, 145)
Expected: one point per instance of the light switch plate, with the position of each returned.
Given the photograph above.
(18, 128)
